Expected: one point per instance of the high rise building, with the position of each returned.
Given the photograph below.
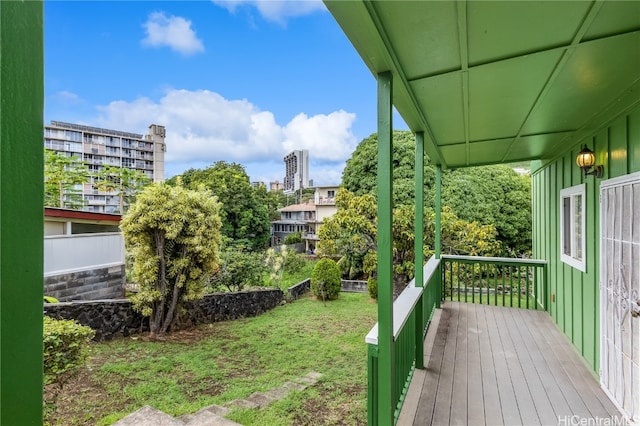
(103, 147)
(296, 171)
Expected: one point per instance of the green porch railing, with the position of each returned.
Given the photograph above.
(404, 338)
(500, 281)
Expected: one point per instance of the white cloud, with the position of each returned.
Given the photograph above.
(203, 127)
(173, 31)
(276, 10)
(66, 97)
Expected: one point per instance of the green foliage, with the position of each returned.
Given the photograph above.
(62, 175)
(325, 280)
(360, 173)
(293, 238)
(245, 211)
(123, 182)
(50, 299)
(351, 235)
(238, 270)
(494, 195)
(66, 346)
(372, 286)
(173, 235)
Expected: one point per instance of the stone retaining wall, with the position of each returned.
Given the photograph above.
(299, 289)
(114, 318)
(354, 286)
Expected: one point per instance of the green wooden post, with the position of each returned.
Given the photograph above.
(418, 244)
(386, 355)
(438, 227)
(438, 208)
(21, 212)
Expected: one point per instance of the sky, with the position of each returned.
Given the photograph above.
(239, 81)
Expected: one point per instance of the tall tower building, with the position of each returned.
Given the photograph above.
(296, 171)
(98, 148)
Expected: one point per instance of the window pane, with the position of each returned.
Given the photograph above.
(566, 226)
(577, 227)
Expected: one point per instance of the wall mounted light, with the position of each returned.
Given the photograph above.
(586, 161)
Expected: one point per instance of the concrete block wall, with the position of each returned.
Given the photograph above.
(91, 284)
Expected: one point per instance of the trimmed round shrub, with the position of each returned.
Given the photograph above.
(325, 280)
(372, 286)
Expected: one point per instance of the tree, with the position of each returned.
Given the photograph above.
(123, 182)
(492, 195)
(173, 235)
(245, 219)
(238, 270)
(360, 173)
(62, 175)
(351, 235)
(489, 195)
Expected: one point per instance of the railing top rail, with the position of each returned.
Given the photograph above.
(405, 303)
(483, 259)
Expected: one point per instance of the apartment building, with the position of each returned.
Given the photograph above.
(104, 147)
(296, 171)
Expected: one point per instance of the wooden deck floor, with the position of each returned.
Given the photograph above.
(490, 365)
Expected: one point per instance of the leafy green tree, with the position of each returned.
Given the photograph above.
(62, 175)
(325, 280)
(238, 270)
(245, 219)
(360, 173)
(173, 235)
(350, 234)
(489, 195)
(494, 195)
(123, 182)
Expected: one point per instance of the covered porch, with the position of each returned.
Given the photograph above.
(483, 83)
(495, 365)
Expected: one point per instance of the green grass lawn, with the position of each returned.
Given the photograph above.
(219, 362)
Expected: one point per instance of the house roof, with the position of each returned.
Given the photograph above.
(51, 212)
(497, 82)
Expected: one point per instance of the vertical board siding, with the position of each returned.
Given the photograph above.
(634, 135)
(576, 309)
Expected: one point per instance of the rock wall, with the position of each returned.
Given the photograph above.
(114, 318)
(299, 289)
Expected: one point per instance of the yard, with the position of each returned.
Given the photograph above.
(219, 362)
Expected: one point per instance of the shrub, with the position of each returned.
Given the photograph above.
(237, 271)
(372, 286)
(66, 346)
(293, 262)
(293, 238)
(325, 280)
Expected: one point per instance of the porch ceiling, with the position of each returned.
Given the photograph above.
(498, 82)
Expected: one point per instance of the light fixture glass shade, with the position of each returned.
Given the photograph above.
(586, 158)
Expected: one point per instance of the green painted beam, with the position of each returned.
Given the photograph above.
(418, 245)
(21, 212)
(386, 361)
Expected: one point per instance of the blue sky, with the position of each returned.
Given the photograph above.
(241, 81)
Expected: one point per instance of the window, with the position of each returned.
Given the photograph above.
(572, 226)
(331, 194)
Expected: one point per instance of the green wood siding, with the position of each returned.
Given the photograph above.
(576, 308)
